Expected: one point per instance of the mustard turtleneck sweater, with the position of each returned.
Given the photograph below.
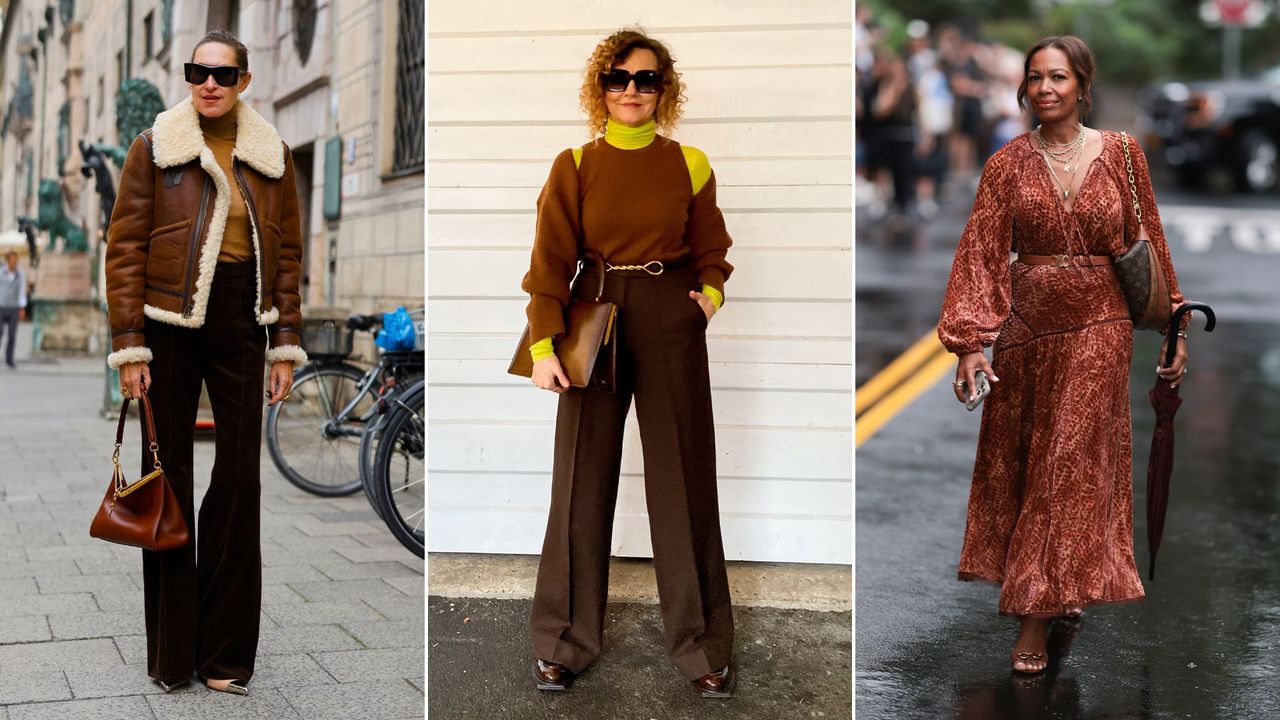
(237, 238)
(701, 238)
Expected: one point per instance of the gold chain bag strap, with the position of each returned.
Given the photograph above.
(145, 513)
(1146, 289)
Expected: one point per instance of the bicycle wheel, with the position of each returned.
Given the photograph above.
(368, 446)
(311, 450)
(400, 472)
(369, 438)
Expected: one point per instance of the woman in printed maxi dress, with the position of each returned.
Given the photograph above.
(1050, 508)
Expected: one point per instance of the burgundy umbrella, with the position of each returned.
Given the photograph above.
(1165, 400)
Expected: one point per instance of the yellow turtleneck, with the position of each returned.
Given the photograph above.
(625, 137)
(237, 238)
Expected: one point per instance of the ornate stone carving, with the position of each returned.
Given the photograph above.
(304, 28)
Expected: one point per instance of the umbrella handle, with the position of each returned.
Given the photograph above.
(1176, 321)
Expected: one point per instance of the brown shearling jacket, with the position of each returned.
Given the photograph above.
(167, 225)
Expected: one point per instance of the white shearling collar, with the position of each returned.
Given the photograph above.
(176, 139)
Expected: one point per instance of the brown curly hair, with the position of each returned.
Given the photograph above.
(615, 49)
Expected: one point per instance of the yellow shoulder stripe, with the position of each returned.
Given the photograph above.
(577, 157)
(699, 166)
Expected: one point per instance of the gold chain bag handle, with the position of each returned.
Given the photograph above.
(1141, 277)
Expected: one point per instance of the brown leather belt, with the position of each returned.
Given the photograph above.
(1065, 260)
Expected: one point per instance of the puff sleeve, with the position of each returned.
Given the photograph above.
(978, 294)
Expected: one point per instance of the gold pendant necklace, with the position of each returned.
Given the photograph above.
(1074, 149)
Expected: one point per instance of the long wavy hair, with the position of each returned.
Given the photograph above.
(614, 50)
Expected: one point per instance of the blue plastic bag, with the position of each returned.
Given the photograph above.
(398, 332)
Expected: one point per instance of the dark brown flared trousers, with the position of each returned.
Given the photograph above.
(202, 601)
(662, 362)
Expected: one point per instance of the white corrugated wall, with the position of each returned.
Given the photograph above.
(769, 99)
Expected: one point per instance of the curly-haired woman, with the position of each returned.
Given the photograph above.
(202, 267)
(639, 200)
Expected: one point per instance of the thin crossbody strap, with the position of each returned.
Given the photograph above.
(1133, 186)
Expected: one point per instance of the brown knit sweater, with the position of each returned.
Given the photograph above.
(631, 206)
(237, 239)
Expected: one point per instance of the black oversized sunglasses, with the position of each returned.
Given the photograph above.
(224, 75)
(647, 81)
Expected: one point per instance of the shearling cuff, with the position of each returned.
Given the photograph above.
(129, 355)
(287, 353)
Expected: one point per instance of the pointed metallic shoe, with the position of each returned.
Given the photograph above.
(233, 687)
(170, 687)
(717, 684)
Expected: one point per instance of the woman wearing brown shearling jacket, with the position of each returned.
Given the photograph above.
(202, 267)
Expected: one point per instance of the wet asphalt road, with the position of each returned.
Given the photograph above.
(1206, 641)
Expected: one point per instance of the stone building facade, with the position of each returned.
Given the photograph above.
(344, 76)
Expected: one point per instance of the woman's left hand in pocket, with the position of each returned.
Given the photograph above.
(704, 302)
(280, 382)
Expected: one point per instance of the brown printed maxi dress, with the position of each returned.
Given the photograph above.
(1050, 509)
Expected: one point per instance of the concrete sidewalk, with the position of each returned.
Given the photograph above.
(342, 617)
(793, 632)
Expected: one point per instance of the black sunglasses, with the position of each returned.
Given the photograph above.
(224, 75)
(647, 81)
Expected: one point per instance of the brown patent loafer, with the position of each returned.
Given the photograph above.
(717, 684)
(552, 677)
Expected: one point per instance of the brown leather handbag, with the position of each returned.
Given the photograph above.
(145, 513)
(588, 351)
(1146, 289)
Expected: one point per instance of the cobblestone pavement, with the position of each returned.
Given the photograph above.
(342, 622)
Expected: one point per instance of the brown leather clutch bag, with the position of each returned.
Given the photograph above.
(588, 349)
(145, 513)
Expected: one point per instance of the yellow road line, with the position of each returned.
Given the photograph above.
(875, 418)
(885, 380)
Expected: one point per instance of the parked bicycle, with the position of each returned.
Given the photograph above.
(397, 484)
(318, 439)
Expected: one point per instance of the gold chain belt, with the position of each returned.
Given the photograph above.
(647, 267)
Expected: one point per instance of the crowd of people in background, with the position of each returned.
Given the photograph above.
(929, 115)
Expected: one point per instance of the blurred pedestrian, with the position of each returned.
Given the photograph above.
(1050, 515)
(13, 304)
(647, 206)
(969, 85)
(1009, 119)
(202, 268)
(889, 122)
(936, 107)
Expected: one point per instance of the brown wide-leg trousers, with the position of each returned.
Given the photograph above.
(202, 600)
(662, 362)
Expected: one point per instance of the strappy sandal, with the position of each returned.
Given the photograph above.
(1028, 658)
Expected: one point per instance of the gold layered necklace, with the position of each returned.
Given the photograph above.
(1066, 154)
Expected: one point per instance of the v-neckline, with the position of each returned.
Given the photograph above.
(1053, 184)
